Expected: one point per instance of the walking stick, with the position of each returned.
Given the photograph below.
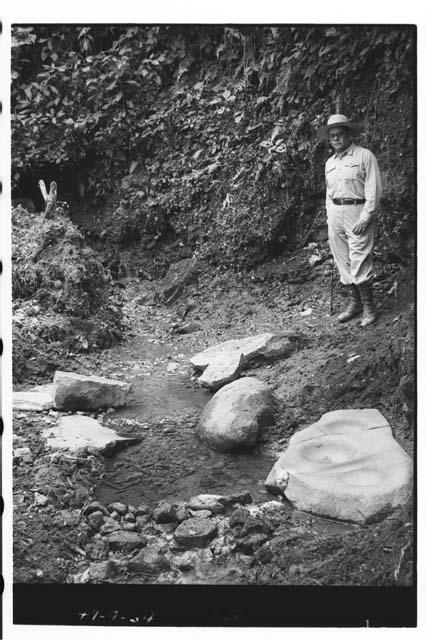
(331, 286)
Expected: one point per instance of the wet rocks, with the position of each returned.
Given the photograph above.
(74, 391)
(96, 520)
(97, 549)
(184, 561)
(209, 501)
(125, 541)
(118, 507)
(150, 560)
(239, 517)
(79, 432)
(195, 532)
(232, 419)
(346, 466)
(249, 544)
(164, 512)
(39, 398)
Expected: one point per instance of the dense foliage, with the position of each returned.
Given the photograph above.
(208, 133)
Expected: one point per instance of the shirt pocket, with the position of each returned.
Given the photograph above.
(352, 171)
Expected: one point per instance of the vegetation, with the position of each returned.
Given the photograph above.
(208, 133)
(64, 301)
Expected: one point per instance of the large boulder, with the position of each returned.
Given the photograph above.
(346, 466)
(232, 419)
(79, 432)
(74, 391)
(38, 398)
(179, 275)
(223, 362)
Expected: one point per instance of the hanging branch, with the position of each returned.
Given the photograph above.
(49, 198)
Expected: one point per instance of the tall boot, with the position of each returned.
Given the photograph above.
(354, 307)
(369, 315)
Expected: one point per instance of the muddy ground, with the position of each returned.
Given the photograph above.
(56, 541)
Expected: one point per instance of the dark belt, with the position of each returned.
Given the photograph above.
(347, 201)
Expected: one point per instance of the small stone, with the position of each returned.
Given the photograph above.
(201, 513)
(181, 513)
(115, 516)
(142, 521)
(166, 527)
(150, 560)
(184, 561)
(73, 391)
(239, 517)
(129, 526)
(255, 525)
(131, 509)
(70, 518)
(244, 497)
(96, 506)
(129, 517)
(195, 532)
(96, 520)
(97, 549)
(40, 499)
(98, 571)
(119, 507)
(251, 543)
(208, 501)
(142, 510)
(109, 526)
(164, 512)
(22, 453)
(125, 541)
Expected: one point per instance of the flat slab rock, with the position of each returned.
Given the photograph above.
(233, 418)
(223, 362)
(74, 391)
(38, 398)
(195, 532)
(78, 432)
(346, 466)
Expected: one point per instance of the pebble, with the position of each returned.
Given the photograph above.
(195, 532)
(125, 541)
(96, 520)
(119, 507)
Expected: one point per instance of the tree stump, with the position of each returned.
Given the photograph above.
(49, 198)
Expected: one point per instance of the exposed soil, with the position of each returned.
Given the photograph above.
(170, 463)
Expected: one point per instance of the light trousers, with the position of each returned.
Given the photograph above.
(353, 254)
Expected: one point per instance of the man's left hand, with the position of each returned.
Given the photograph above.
(359, 228)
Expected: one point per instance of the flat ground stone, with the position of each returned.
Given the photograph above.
(195, 532)
(149, 560)
(74, 391)
(224, 355)
(78, 432)
(346, 466)
(209, 501)
(125, 541)
(38, 398)
(233, 418)
(219, 373)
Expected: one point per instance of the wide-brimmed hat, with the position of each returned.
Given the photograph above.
(339, 120)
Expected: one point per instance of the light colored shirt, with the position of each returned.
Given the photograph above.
(355, 175)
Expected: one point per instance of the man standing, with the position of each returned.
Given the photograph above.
(354, 189)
